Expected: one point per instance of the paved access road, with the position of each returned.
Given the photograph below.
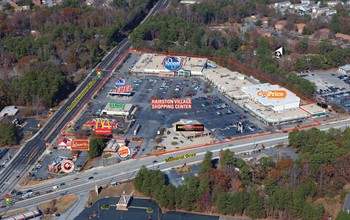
(127, 169)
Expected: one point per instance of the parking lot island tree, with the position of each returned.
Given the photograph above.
(97, 144)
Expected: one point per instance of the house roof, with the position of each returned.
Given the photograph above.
(263, 32)
(342, 36)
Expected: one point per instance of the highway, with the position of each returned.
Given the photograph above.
(20, 164)
(126, 170)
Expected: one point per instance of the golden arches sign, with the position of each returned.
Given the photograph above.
(105, 126)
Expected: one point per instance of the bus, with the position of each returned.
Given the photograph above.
(137, 129)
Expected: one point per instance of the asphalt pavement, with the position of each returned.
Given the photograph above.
(127, 170)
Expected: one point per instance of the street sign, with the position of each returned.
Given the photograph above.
(119, 83)
(67, 166)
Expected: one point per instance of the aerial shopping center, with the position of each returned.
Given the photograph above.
(272, 104)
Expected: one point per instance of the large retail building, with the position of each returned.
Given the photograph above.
(245, 91)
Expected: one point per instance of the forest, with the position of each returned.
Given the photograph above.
(282, 189)
(188, 30)
(41, 50)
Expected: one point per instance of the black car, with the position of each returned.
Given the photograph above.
(91, 177)
(62, 184)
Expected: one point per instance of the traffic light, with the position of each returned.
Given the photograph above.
(98, 73)
(7, 201)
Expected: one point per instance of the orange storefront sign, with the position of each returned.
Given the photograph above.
(80, 145)
(273, 94)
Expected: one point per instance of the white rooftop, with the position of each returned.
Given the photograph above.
(9, 111)
(346, 67)
(266, 101)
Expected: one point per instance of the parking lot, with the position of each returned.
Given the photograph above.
(332, 87)
(40, 171)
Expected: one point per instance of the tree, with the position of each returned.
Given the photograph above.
(206, 163)
(226, 157)
(255, 208)
(303, 45)
(342, 215)
(8, 134)
(234, 43)
(326, 46)
(96, 145)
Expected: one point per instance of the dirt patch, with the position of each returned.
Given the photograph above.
(14, 212)
(26, 181)
(111, 191)
(331, 205)
(57, 205)
(183, 169)
(90, 164)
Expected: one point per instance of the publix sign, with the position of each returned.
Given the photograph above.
(172, 63)
(116, 105)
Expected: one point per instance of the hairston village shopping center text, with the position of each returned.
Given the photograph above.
(171, 103)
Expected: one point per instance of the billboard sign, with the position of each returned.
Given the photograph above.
(172, 63)
(124, 152)
(123, 89)
(193, 127)
(116, 105)
(80, 145)
(67, 166)
(273, 94)
(119, 83)
(103, 126)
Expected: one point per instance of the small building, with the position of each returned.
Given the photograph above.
(191, 134)
(323, 33)
(280, 25)
(9, 111)
(333, 3)
(314, 110)
(64, 143)
(262, 32)
(117, 109)
(189, 2)
(345, 69)
(342, 37)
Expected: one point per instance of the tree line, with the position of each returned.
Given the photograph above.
(258, 190)
(44, 47)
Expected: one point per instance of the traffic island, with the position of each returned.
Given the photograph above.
(105, 206)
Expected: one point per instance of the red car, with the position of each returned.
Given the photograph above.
(76, 178)
(50, 191)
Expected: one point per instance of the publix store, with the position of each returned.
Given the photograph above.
(114, 108)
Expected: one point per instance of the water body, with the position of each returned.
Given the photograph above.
(137, 211)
